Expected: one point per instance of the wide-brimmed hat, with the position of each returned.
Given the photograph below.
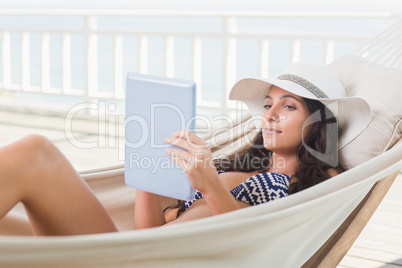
(309, 81)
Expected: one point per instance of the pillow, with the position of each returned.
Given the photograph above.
(382, 88)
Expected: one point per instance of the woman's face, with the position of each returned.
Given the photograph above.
(283, 119)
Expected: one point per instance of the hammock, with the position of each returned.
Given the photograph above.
(314, 227)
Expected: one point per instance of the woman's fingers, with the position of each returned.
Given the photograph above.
(180, 157)
(187, 160)
(186, 140)
(179, 153)
(196, 156)
(179, 142)
(195, 160)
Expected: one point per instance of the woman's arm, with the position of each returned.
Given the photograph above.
(147, 211)
(219, 199)
(197, 163)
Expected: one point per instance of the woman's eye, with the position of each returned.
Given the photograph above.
(291, 108)
(267, 106)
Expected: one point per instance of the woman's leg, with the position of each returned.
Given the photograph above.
(15, 224)
(58, 202)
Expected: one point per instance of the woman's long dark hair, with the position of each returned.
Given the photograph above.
(316, 154)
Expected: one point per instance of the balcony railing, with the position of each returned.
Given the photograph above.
(86, 54)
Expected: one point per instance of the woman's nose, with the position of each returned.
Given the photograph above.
(271, 115)
(272, 118)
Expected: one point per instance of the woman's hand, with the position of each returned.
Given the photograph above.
(195, 159)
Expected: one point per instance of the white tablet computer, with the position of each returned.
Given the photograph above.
(155, 107)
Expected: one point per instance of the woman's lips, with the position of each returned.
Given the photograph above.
(271, 131)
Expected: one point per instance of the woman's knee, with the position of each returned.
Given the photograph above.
(37, 144)
(36, 140)
(36, 150)
(25, 159)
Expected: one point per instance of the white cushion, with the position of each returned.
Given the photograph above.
(382, 88)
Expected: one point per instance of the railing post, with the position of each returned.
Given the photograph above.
(66, 63)
(25, 61)
(91, 26)
(295, 50)
(143, 54)
(6, 46)
(197, 65)
(118, 66)
(229, 58)
(45, 50)
(264, 58)
(329, 51)
(169, 56)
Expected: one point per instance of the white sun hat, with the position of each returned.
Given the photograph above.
(309, 81)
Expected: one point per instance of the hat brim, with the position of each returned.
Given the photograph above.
(353, 114)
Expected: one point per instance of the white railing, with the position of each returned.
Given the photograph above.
(229, 32)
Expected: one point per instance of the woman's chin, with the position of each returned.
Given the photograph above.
(270, 146)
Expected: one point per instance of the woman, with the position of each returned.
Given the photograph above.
(58, 202)
(296, 148)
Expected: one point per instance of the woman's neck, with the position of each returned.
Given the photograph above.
(286, 164)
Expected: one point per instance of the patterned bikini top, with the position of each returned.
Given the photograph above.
(257, 189)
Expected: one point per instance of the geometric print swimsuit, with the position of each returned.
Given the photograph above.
(257, 189)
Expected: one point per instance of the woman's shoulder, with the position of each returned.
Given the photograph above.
(332, 172)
